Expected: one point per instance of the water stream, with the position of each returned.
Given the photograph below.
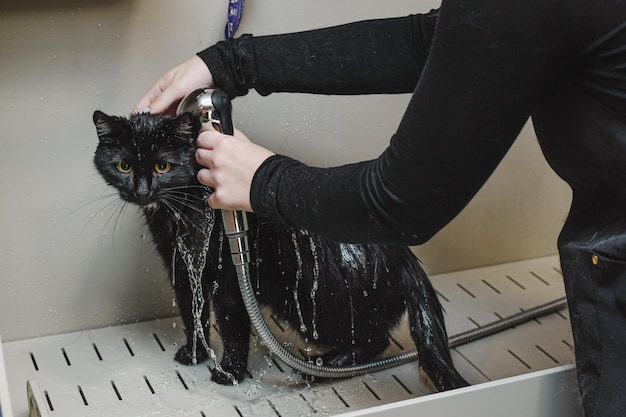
(192, 244)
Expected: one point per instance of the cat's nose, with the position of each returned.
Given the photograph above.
(143, 196)
(142, 190)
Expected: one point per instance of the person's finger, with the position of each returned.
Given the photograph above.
(207, 138)
(146, 101)
(203, 157)
(205, 178)
(212, 201)
(166, 102)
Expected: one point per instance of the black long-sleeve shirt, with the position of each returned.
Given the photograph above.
(476, 70)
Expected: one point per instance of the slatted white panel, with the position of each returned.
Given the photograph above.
(129, 371)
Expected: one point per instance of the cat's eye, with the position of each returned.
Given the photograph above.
(162, 167)
(124, 167)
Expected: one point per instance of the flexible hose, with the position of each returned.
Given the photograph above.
(322, 371)
(506, 323)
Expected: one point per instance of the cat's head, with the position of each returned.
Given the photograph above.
(145, 156)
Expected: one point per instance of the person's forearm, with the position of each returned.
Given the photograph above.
(477, 89)
(375, 56)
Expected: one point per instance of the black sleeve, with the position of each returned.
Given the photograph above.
(488, 65)
(375, 56)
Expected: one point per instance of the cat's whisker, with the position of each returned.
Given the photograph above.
(114, 203)
(181, 191)
(175, 199)
(184, 197)
(181, 187)
(88, 203)
(172, 208)
(182, 216)
(120, 213)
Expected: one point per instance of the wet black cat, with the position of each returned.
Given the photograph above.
(345, 298)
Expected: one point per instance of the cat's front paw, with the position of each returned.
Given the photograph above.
(228, 373)
(186, 357)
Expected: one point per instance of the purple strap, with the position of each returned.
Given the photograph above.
(235, 10)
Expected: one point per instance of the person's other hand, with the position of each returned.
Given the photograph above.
(166, 93)
(230, 163)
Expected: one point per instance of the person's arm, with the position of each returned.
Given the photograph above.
(374, 56)
(487, 68)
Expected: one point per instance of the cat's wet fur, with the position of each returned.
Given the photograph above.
(150, 159)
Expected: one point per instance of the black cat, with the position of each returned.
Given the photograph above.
(344, 298)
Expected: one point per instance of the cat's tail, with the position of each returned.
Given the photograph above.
(428, 330)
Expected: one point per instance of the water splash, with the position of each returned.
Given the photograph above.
(194, 256)
(296, 248)
(314, 285)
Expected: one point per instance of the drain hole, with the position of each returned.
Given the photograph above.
(396, 343)
(491, 286)
(95, 348)
(280, 368)
(277, 323)
(372, 391)
(402, 384)
(145, 378)
(82, 395)
(547, 354)
(442, 296)
(515, 282)
(519, 359)
(130, 350)
(340, 397)
(182, 381)
(274, 408)
(67, 360)
(539, 278)
(308, 403)
(119, 397)
(466, 290)
(45, 393)
(32, 358)
(156, 338)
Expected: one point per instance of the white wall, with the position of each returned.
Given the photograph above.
(68, 262)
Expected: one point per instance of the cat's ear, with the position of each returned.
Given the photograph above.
(183, 126)
(106, 126)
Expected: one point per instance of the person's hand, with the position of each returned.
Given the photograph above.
(230, 163)
(166, 93)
